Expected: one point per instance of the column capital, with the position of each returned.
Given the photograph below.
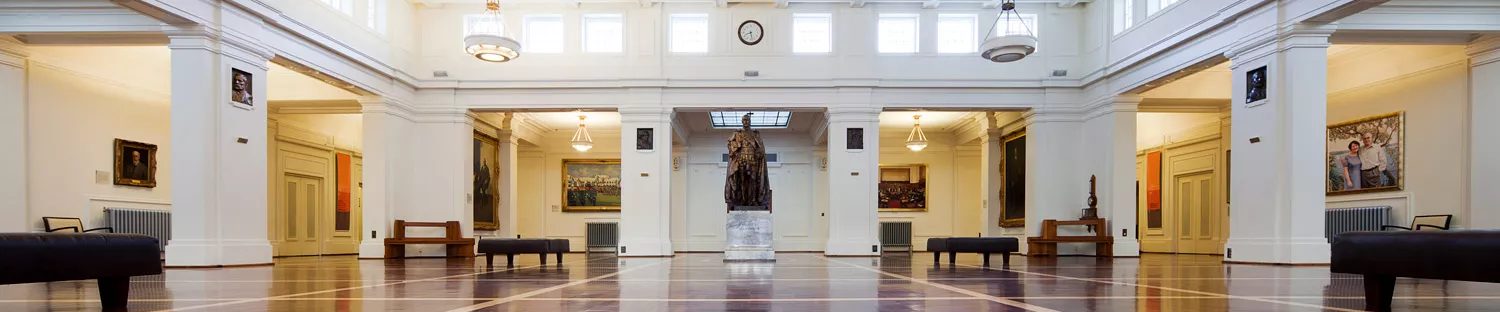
(1124, 103)
(233, 44)
(645, 114)
(853, 114)
(1044, 115)
(1300, 35)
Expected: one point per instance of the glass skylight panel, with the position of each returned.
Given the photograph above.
(544, 34)
(812, 33)
(956, 33)
(758, 119)
(897, 33)
(689, 33)
(603, 33)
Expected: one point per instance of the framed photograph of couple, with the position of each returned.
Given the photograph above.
(1367, 155)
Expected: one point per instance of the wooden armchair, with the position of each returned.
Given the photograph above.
(64, 224)
(1429, 222)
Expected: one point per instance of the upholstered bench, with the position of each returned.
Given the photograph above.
(110, 258)
(512, 246)
(983, 245)
(1383, 256)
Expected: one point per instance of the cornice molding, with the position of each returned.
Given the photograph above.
(1484, 51)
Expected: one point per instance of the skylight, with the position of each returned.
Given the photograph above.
(758, 119)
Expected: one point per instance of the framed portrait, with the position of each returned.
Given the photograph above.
(591, 185)
(644, 139)
(135, 163)
(1367, 155)
(902, 188)
(241, 86)
(1013, 176)
(1255, 85)
(486, 182)
(854, 139)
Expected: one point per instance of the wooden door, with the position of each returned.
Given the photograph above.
(1197, 214)
(301, 204)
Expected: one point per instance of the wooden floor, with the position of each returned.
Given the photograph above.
(796, 282)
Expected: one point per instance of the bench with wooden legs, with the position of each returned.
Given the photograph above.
(456, 244)
(1046, 245)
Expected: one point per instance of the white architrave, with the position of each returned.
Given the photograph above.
(1282, 220)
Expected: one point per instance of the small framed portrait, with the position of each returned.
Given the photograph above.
(1255, 85)
(135, 163)
(855, 139)
(644, 140)
(241, 86)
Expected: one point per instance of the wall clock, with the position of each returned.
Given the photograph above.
(751, 32)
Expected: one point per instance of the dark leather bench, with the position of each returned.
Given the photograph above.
(1383, 256)
(110, 258)
(512, 246)
(983, 245)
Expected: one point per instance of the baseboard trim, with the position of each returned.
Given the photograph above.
(222, 266)
(1279, 264)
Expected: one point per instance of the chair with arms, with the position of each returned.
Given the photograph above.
(63, 224)
(1427, 222)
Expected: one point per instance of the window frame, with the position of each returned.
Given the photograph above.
(974, 39)
(583, 34)
(916, 30)
(342, 6)
(672, 20)
(376, 15)
(529, 46)
(828, 21)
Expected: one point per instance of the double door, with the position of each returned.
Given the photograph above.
(1197, 214)
(301, 205)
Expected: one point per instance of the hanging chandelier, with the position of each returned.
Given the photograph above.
(486, 39)
(1008, 47)
(581, 140)
(917, 140)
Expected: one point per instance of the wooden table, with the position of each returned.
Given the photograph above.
(1046, 245)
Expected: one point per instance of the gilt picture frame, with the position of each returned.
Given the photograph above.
(1367, 155)
(590, 185)
(135, 163)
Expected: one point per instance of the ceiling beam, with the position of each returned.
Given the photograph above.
(930, 4)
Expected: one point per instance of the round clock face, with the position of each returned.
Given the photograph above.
(751, 32)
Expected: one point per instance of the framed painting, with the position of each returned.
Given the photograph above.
(591, 185)
(1367, 155)
(903, 188)
(1013, 176)
(135, 163)
(486, 187)
(241, 88)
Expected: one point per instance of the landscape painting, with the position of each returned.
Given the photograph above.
(591, 185)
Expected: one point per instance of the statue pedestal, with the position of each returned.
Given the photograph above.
(749, 234)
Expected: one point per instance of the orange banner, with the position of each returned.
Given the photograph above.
(344, 179)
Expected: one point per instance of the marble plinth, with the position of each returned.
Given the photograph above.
(749, 236)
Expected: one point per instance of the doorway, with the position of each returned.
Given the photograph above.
(301, 204)
(1196, 214)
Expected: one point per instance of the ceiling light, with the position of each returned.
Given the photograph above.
(1008, 47)
(581, 140)
(917, 140)
(486, 39)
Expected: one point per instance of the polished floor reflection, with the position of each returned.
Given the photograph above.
(796, 282)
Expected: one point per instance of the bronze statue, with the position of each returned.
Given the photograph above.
(747, 183)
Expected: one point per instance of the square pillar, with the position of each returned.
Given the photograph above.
(218, 153)
(1284, 171)
(1056, 185)
(853, 220)
(1484, 108)
(991, 156)
(510, 145)
(646, 179)
(386, 125)
(13, 202)
(435, 181)
(1109, 145)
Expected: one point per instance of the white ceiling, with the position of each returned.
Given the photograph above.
(931, 121)
(569, 120)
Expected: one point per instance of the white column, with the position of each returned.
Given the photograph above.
(646, 178)
(1056, 185)
(1109, 145)
(991, 156)
(1279, 219)
(218, 153)
(1484, 109)
(386, 127)
(436, 180)
(13, 203)
(852, 177)
(509, 146)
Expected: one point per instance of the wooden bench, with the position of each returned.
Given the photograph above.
(457, 245)
(1046, 245)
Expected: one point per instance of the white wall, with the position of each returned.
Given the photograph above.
(1429, 83)
(76, 108)
(346, 129)
(1157, 129)
(540, 186)
(952, 186)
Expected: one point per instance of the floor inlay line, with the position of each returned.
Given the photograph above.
(363, 287)
(1227, 296)
(554, 288)
(999, 300)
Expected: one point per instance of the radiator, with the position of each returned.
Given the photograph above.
(602, 234)
(897, 234)
(1342, 220)
(155, 223)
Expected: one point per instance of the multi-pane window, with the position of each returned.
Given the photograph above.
(758, 119)
(375, 16)
(1124, 15)
(956, 33)
(1153, 6)
(481, 24)
(1025, 25)
(603, 33)
(896, 33)
(346, 6)
(544, 34)
(689, 33)
(812, 33)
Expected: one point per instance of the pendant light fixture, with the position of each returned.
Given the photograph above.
(486, 38)
(917, 140)
(581, 140)
(1008, 47)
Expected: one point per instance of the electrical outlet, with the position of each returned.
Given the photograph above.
(1229, 253)
(874, 248)
(622, 249)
